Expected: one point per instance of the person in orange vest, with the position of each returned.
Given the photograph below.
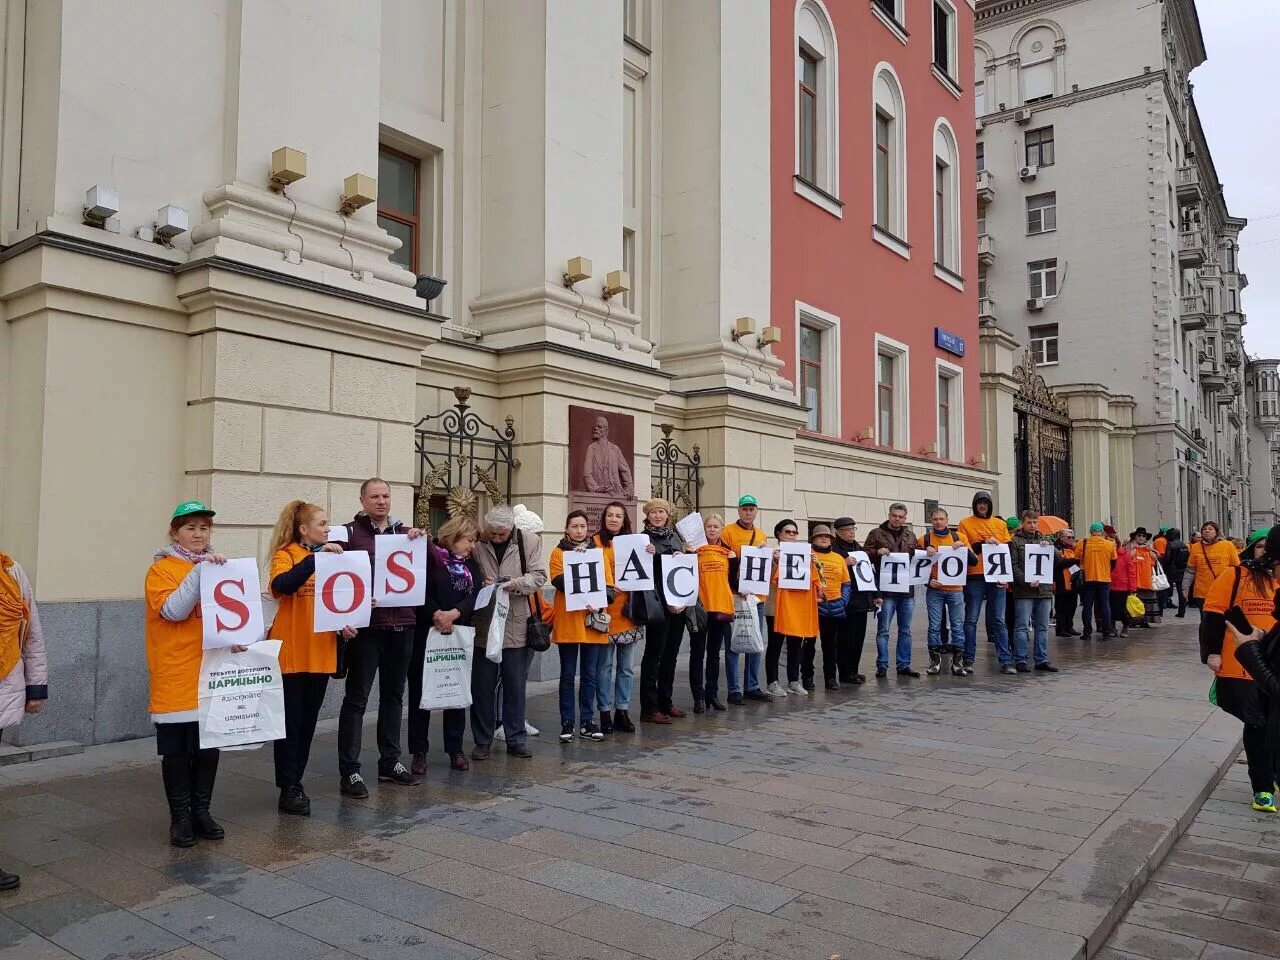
(1097, 559)
(944, 603)
(795, 621)
(307, 658)
(1067, 580)
(1207, 559)
(716, 596)
(833, 605)
(1144, 562)
(175, 647)
(984, 525)
(579, 644)
(1241, 603)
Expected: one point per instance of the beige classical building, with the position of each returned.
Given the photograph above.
(277, 347)
(1109, 251)
(1262, 400)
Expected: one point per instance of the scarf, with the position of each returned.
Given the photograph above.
(189, 556)
(15, 617)
(459, 572)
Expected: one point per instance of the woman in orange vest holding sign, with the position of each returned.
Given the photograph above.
(307, 658)
(1243, 592)
(1206, 561)
(795, 619)
(175, 646)
(716, 597)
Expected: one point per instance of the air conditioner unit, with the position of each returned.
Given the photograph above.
(1023, 116)
(1035, 303)
(1029, 172)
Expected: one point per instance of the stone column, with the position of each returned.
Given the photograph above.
(1123, 505)
(1091, 428)
(998, 355)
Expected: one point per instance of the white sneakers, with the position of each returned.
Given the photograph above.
(776, 689)
(529, 729)
(796, 687)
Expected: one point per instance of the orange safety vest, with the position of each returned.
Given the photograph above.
(1234, 589)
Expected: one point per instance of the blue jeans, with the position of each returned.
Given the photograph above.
(610, 696)
(1032, 610)
(901, 605)
(945, 604)
(753, 663)
(976, 590)
(570, 654)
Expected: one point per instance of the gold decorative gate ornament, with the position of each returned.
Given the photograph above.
(459, 457)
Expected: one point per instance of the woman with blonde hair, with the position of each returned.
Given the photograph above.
(307, 658)
(453, 580)
(662, 640)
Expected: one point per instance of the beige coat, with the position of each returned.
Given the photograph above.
(525, 585)
(29, 678)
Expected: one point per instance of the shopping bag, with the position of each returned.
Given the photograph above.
(446, 669)
(241, 696)
(1134, 605)
(746, 636)
(497, 625)
(1159, 579)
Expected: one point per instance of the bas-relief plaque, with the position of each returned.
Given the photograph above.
(601, 461)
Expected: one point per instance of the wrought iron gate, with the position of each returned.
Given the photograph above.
(1042, 446)
(676, 476)
(461, 456)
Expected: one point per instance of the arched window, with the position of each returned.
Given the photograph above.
(1038, 47)
(984, 98)
(889, 143)
(817, 96)
(946, 202)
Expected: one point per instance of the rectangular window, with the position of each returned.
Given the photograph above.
(1044, 344)
(811, 374)
(1042, 278)
(889, 7)
(982, 219)
(940, 212)
(982, 284)
(885, 398)
(982, 157)
(882, 171)
(945, 386)
(1042, 213)
(979, 97)
(629, 265)
(943, 34)
(1037, 81)
(398, 204)
(1039, 145)
(808, 106)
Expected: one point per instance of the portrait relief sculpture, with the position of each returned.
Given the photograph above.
(601, 460)
(605, 469)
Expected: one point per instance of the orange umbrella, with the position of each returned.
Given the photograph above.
(1051, 525)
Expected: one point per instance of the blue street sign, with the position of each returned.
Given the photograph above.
(948, 341)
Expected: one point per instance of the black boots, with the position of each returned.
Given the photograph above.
(188, 785)
(9, 881)
(622, 722)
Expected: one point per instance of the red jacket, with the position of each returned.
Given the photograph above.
(1124, 575)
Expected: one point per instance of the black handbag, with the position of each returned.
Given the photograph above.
(644, 609)
(537, 634)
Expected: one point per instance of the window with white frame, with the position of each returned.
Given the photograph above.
(982, 219)
(982, 283)
(817, 361)
(946, 207)
(1037, 81)
(944, 38)
(981, 156)
(890, 154)
(950, 412)
(817, 109)
(892, 400)
(1044, 344)
(980, 97)
(1042, 279)
(891, 9)
(1037, 50)
(1042, 213)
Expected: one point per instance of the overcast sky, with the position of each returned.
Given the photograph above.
(1233, 90)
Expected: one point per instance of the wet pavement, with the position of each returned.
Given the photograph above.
(982, 818)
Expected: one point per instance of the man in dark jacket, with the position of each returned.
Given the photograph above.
(1032, 601)
(1176, 554)
(853, 629)
(893, 536)
(382, 648)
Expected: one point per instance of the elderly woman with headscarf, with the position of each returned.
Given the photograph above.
(23, 666)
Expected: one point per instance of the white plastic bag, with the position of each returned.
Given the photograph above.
(497, 625)
(446, 669)
(241, 696)
(746, 636)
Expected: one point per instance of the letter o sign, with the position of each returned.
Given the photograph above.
(357, 592)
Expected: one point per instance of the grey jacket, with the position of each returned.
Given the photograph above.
(525, 585)
(29, 678)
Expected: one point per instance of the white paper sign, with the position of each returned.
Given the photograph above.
(755, 569)
(794, 566)
(895, 573)
(952, 569)
(399, 571)
(241, 698)
(344, 590)
(692, 531)
(338, 534)
(584, 584)
(997, 564)
(862, 572)
(1039, 560)
(632, 563)
(921, 568)
(484, 596)
(680, 580)
(446, 669)
(231, 603)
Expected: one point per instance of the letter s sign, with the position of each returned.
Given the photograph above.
(231, 605)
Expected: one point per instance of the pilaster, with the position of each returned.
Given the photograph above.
(998, 355)
(1089, 405)
(1123, 500)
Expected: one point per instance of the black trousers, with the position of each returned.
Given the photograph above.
(849, 641)
(704, 657)
(371, 652)
(829, 631)
(303, 697)
(658, 663)
(1064, 603)
(455, 721)
(487, 678)
(773, 653)
(1262, 759)
(1118, 612)
(1182, 597)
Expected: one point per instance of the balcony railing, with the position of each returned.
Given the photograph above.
(1191, 312)
(1188, 181)
(1191, 248)
(986, 308)
(986, 187)
(986, 249)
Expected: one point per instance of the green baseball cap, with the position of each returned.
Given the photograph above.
(1096, 527)
(1259, 534)
(747, 500)
(191, 508)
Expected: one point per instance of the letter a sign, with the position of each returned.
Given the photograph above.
(344, 591)
(584, 580)
(399, 571)
(231, 604)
